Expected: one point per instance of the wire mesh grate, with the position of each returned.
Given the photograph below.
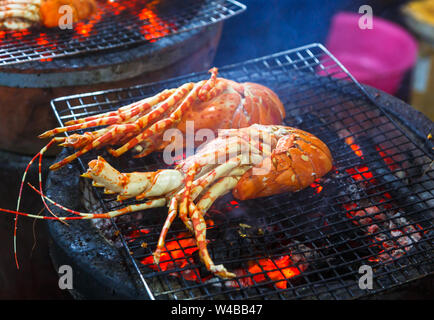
(375, 208)
(114, 25)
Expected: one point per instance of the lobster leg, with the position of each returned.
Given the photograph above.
(223, 186)
(205, 90)
(78, 141)
(183, 209)
(173, 210)
(128, 109)
(219, 189)
(237, 147)
(206, 158)
(159, 126)
(212, 87)
(196, 188)
(219, 153)
(222, 170)
(150, 144)
(204, 95)
(115, 117)
(104, 139)
(199, 225)
(154, 203)
(122, 129)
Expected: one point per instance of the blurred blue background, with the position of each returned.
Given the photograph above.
(270, 26)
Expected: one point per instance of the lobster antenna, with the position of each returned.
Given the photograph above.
(23, 179)
(40, 179)
(18, 207)
(155, 203)
(34, 233)
(24, 214)
(57, 204)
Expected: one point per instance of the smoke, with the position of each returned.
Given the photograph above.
(271, 26)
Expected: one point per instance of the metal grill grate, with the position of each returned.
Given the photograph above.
(375, 208)
(115, 25)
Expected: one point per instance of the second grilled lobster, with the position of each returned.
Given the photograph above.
(252, 162)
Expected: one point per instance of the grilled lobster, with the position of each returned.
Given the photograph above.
(252, 162)
(213, 104)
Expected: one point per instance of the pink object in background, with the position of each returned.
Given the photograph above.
(378, 57)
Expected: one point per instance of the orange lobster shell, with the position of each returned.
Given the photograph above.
(285, 159)
(239, 105)
(213, 104)
(297, 160)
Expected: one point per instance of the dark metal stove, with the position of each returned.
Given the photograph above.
(375, 208)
